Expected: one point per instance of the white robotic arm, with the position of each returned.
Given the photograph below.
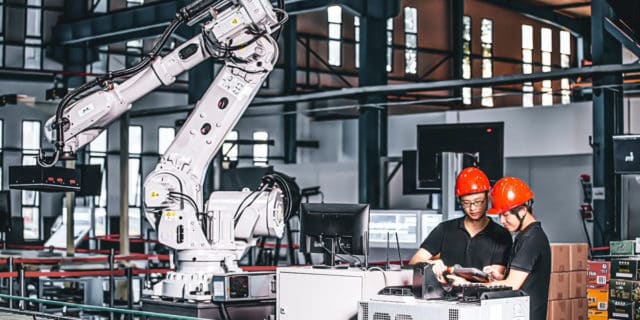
(209, 238)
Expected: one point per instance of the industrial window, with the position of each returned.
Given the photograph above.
(135, 180)
(97, 150)
(334, 17)
(261, 150)
(466, 57)
(133, 3)
(356, 26)
(98, 67)
(30, 199)
(411, 40)
(100, 6)
(134, 52)
(486, 38)
(389, 44)
(546, 40)
(527, 64)
(33, 36)
(230, 147)
(565, 62)
(165, 138)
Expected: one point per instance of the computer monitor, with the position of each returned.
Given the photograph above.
(480, 143)
(333, 228)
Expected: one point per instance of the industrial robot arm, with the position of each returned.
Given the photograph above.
(209, 238)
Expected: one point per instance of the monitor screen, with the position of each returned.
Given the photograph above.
(626, 154)
(347, 224)
(481, 144)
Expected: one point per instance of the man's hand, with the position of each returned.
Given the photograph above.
(456, 281)
(439, 269)
(493, 273)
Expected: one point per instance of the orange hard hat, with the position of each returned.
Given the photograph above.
(509, 193)
(471, 180)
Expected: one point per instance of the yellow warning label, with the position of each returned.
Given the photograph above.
(154, 194)
(170, 214)
(235, 21)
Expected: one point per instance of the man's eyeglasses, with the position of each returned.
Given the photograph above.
(469, 204)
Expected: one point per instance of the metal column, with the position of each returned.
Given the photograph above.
(124, 184)
(607, 121)
(70, 200)
(290, 84)
(372, 125)
(456, 12)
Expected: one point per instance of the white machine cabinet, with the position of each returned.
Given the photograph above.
(322, 294)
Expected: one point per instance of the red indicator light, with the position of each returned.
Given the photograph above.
(51, 179)
(489, 130)
(73, 182)
(59, 180)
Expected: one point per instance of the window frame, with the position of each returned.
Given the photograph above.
(411, 50)
(487, 60)
(334, 44)
(260, 161)
(36, 205)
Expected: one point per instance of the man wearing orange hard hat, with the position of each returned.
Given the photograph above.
(529, 265)
(471, 241)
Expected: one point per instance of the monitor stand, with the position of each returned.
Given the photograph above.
(331, 257)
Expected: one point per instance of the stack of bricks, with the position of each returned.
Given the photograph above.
(568, 283)
(598, 275)
(624, 289)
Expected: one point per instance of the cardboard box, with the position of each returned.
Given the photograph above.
(624, 290)
(579, 309)
(578, 256)
(598, 274)
(624, 247)
(560, 257)
(625, 269)
(577, 284)
(598, 299)
(559, 310)
(559, 286)
(622, 310)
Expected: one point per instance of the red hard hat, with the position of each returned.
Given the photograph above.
(471, 180)
(509, 193)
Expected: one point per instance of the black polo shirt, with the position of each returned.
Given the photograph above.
(532, 254)
(451, 240)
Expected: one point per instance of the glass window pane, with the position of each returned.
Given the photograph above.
(135, 139)
(134, 182)
(32, 54)
(99, 144)
(527, 37)
(546, 61)
(466, 95)
(135, 222)
(466, 67)
(546, 39)
(410, 20)
(527, 56)
(527, 97)
(466, 28)
(31, 220)
(334, 14)
(486, 31)
(165, 138)
(527, 68)
(34, 3)
(335, 31)
(1, 18)
(101, 221)
(487, 68)
(411, 61)
(260, 151)
(34, 22)
(547, 96)
(101, 201)
(487, 97)
(412, 41)
(334, 53)
(565, 61)
(230, 149)
(565, 42)
(31, 135)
